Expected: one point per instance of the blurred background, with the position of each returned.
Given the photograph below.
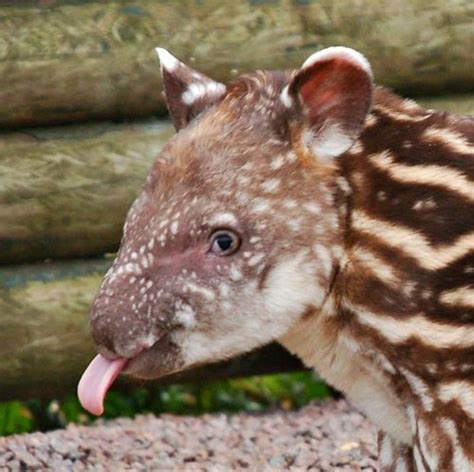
(82, 118)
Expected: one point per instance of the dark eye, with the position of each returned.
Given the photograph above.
(224, 242)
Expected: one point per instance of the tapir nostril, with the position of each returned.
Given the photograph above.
(121, 333)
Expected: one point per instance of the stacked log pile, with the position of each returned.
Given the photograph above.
(67, 179)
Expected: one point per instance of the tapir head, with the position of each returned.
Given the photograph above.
(237, 233)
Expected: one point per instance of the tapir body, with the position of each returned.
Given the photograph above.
(313, 208)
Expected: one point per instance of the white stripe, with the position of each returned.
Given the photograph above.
(460, 390)
(398, 331)
(419, 388)
(455, 141)
(398, 116)
(414, 244)
(425, 174)
(463, 296)
(376, 265)
(460, 461)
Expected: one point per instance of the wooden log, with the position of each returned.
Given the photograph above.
(64, 191)
(63, 61)
(459, 104)
(44, 340)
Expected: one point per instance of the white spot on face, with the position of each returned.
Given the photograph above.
(204, 291)
(260, 206)
(130, 268)
(146, 340)
(255, 259)
(290, 204)
(174, 227)
(242, 198)
(270, 185)
(185, 314)
(235, 273)
(294, 225)
(313, 208)
(224, 219)
(243, 180)
(277, 162)
(224, 290)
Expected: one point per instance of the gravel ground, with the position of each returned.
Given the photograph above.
(327, 436)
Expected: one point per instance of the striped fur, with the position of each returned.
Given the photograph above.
(407, 289)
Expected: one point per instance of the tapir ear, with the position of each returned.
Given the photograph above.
(187, 91)
(332, 95)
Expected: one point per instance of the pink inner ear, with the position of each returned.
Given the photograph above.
(334, 90)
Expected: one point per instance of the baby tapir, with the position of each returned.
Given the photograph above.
(312, 208)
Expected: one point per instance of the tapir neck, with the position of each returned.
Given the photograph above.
(395, 250)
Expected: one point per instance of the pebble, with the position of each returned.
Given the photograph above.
(326, 436)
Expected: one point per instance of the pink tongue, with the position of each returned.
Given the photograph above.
(95, 382)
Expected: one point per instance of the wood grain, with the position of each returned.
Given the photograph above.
(79, 60)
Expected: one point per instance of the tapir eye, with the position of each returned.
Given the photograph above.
(224, 242)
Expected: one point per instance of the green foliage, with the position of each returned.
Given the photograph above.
(253, 394)
(15, 418)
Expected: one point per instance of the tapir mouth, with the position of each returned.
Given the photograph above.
(98, 377)
(101, 373)
(96, 381)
